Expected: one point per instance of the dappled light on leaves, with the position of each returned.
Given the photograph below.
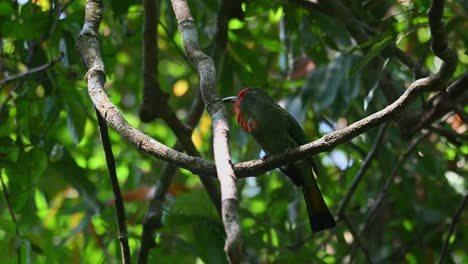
(180, 88)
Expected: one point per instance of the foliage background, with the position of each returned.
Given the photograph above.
(52, 164)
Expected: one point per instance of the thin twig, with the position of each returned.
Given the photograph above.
(31, 71)
(389, 181)
(353, 231)
(455, 220)
(118, 200)
(6, 194)
(442, 103)
(452, 136)
(362, 170)
(418, 239)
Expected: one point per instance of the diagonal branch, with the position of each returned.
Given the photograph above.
(118, 200)
(88, 36)
(217, 111)
(155, 101)
(455, 220)
(362, 170)
(32, 71)
(88, 45)
(356, 237)
(384, 190)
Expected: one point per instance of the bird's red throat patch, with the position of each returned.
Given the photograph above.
(246, 123)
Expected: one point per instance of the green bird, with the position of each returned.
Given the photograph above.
(275, 130)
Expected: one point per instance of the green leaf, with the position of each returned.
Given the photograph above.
(24, 174)
(324, 83)
(254, 71)
(35, 20)
(120, 7)
(7, 225)
(209, 237)
(65, 171)
(313, 44)
(376, 39)
(8, 150)
(374, 51)
(192, 204)
(6, 8)
(336, 35)
(76, 114)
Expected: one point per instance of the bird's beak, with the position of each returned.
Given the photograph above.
(230, 99)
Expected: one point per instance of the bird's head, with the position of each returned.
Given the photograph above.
(248, 95)
(246, 103)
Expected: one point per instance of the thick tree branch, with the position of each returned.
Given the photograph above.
(155, 101)
(88, 45)
(153, 217)
(439, 43)
(217, 111)
(196, 165)
(361, 33)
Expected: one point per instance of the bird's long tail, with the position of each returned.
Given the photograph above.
(319, 216)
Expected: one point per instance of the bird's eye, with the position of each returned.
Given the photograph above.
(243, 92)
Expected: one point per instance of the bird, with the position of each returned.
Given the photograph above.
(276, 131)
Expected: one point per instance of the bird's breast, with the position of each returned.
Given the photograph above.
(248, 124)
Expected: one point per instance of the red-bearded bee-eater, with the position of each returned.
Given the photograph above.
(275, 130)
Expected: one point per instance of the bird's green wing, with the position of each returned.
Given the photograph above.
(298, 135)
(295, 130)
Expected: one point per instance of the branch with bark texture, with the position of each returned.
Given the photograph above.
(153, 217)
(88, 45)
(155, 105)
(145, 143)
(217, 111)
